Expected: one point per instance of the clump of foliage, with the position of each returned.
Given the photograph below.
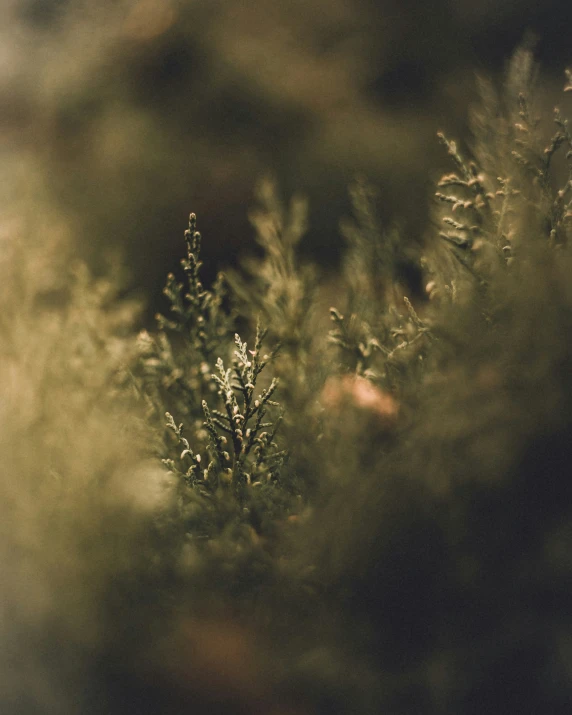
(277, 285)
(407, 417)
(222, 436)
(176, 372)
(513, 190)
(253, 459)
(460, 516)
(83, 504)
(389, 513)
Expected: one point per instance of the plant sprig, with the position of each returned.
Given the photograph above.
(241, 436)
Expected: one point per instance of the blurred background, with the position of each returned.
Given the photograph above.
(118, 118)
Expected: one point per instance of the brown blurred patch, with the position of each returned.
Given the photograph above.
(148, 19)
(219, 665)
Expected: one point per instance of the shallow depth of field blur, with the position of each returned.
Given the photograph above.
(117, 119)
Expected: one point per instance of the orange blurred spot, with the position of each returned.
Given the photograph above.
(362, 394)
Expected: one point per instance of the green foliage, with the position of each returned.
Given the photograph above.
(225, 453)
(224, 449)
(277, 285)
(281, 288)
(381, 337)
(365, 507)
(253, 458)
(512, 190)
(389, 513)
(175, 373)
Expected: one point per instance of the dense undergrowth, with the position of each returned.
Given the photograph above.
(251, 510)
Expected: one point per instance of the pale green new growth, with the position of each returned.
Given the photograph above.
(381, 337)
(510, 191)
(175, 371)
(277, 285)
(231, 448)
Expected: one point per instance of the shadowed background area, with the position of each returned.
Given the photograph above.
(123, 116)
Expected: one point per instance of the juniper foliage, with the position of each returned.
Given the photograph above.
(456, 552)
(427, 569)
(381, 336)
(176, 363)
(511, 182)
(225, 453)
(417, 426)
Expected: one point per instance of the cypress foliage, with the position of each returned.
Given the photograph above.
(266, 506)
